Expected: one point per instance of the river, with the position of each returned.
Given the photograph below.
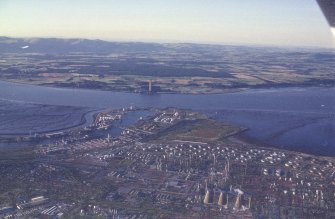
(299, 119)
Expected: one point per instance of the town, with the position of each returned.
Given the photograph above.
(172, 163)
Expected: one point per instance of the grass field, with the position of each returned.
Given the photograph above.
(200, 130)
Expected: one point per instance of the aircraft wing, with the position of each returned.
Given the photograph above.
(328, 9)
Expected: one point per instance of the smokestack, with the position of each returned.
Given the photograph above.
(150, 86)
(220, 202)
(223, 200)
(206, 199)
(238, 202)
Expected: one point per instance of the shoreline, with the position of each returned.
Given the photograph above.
(243, 138)
(222, 91)
(247, 141)
(83, 121)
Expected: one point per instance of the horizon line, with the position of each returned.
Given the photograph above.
(148, 41)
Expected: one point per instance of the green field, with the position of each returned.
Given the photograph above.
(200, 130)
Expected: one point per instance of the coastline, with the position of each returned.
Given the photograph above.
(83, 121)
(193, 92)
(248, 141)
(118, 99)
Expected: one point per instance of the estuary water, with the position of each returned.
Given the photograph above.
(299, 119)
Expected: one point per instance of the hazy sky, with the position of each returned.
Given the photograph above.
(275, 22)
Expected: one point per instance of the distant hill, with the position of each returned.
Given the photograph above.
(57, 45)
(61, 46)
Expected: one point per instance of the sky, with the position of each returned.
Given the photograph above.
(266, 22)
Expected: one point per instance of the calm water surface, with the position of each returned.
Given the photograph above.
(300, 119)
